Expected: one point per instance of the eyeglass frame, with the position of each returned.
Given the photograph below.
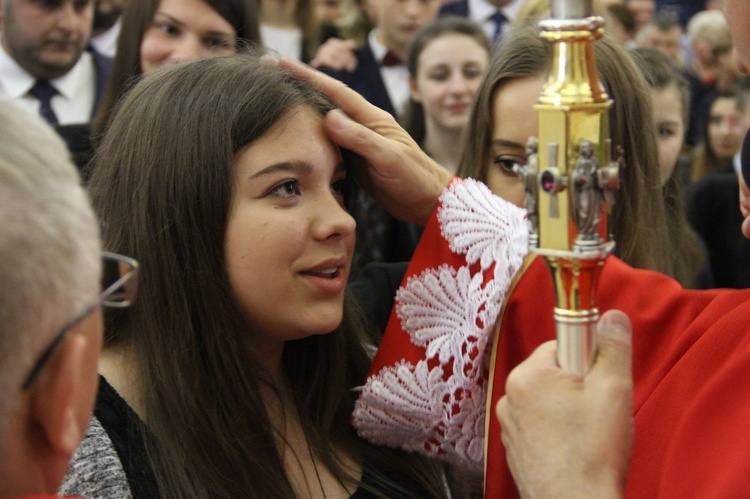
(103, 298)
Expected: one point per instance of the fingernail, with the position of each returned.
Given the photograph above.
(336, 119)
(614, 319)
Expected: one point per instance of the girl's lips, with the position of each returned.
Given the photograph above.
(330, 281)
(458, 108)
(328, 276)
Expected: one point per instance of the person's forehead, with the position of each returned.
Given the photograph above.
(52, 6)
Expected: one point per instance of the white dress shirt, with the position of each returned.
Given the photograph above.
(282, 41)
(106, 42)
(76, 89)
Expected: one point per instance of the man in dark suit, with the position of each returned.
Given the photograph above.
(381, 77)
(47, 65)
(713, 212)
(685, 9)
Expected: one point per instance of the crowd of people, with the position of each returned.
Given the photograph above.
(281, 344)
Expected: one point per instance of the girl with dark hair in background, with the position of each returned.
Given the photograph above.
(722, 136)
(502, 120)
(446, 61)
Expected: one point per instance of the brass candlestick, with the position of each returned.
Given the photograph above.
(570, 178)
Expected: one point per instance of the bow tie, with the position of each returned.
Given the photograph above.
(391, 60)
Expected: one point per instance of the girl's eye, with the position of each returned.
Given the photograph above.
(507, 165)
(217, 43)
(439, 75)
(472, 71)
(286, 189)
(665, 131)
(168, 29)
(339, 186)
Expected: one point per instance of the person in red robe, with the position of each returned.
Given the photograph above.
(472, 308)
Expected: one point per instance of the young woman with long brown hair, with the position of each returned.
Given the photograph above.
(233, 375)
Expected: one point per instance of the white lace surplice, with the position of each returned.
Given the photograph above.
(434, 402)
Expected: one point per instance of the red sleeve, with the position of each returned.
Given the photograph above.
(681, 339)
(396, 345)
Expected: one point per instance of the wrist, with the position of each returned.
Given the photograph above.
(432, 200)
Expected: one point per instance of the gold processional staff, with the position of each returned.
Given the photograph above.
(570, 178)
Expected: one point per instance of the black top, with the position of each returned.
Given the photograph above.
(375, 291)
(715, 215)
(122, 426)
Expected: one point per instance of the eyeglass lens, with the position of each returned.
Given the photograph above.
(119, 282)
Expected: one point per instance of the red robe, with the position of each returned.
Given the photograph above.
(691, 369)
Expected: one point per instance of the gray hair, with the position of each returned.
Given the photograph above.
(710, 26)
(50, 261)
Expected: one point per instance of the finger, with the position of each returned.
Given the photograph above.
(508, 426)
(521, 380)
(356, 137)
(614, 337)
(502, 410)
(744, 206)
(744, 196)
(545, 355)
(351, 64)
(344, 97)
(507, 431)
(350, 58)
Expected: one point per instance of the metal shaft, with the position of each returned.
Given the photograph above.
(576, 340)
(571, 9)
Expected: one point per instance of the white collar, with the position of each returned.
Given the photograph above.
(378, 49)
(16, 82)
(106, 42)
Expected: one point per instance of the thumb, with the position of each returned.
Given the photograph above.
(614, 336)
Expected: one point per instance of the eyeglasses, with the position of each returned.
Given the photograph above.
(119, 287)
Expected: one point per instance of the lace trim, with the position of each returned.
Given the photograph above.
(437, 404)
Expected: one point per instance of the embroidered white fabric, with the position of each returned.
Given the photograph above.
(437, 406)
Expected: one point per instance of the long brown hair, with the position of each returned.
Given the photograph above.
(136, 19)
(638, 219)
(162, 187)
